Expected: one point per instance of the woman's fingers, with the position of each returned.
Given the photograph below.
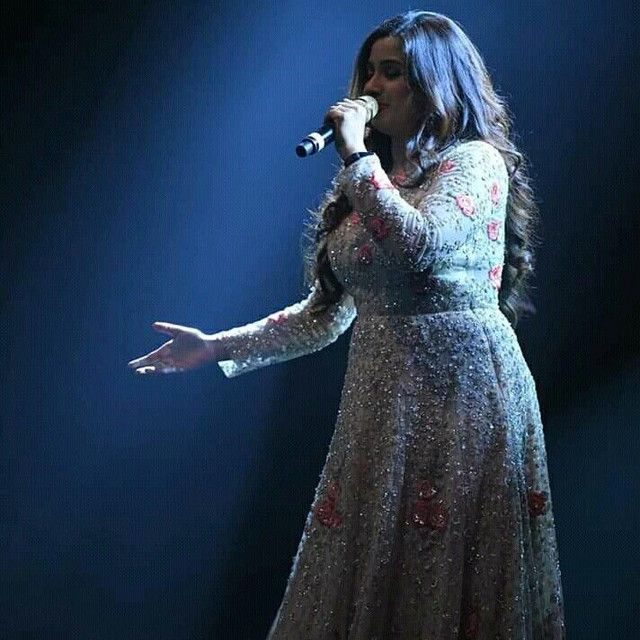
(159, 357)
(346, 110)
(151, 358)
(145, 370)
(185, 350)
(340, 107)
(141, 363)
(157, 369)
(138, 362)
(348, 104)
(168, 328)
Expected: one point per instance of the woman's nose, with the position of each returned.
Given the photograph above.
(372, 86)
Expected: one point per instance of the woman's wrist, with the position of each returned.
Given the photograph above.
(216, 348)
(350, 159)
(349, 151)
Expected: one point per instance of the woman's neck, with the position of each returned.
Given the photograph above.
(398, 155)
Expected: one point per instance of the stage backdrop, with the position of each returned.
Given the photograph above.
(148, 173)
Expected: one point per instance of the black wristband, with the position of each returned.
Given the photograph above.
(356, 156)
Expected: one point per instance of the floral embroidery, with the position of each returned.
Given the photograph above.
(537, 501)
(426, 512)
(495, 276)
(355, 218)
(399, 179)
(426, 490)
(471, 625)
(380, 180)
(278, 318)
(495, 193)
(429, 514)
(447, 166)
(326, 512)
(365, 255)
(378, 228)
(493, 229)
(466, 205)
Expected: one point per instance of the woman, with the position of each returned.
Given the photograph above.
(433, 517)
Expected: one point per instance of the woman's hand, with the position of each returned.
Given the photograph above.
(189, 348)
(349, 118)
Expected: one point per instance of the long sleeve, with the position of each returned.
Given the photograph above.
(459, 200)
(286, 334)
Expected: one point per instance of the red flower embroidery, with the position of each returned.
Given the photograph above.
(399, 179)
(426, 490)
(466, 205)
(355, 218)
(380, 180)
(537, 501)
(365, 255)
(495, 193)
(495, 276)
(493, 229)
(446, 166)
(472, 625)
(325, 511)
(278, 318)
(429, 514)
(437, 516)
(426, 512)
(378, 228)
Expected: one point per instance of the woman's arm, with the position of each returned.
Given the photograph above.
(464, 195)
(284, 335)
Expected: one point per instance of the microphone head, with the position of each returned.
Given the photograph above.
(371, 105)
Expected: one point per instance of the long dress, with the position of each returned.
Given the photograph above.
(432, 519)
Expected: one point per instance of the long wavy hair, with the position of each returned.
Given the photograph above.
(456, 102)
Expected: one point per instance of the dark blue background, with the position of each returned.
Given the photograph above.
(148, 174)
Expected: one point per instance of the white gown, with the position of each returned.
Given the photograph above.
(432, 519)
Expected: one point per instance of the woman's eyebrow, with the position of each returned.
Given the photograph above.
(386, 61)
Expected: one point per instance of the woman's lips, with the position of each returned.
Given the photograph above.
(381, 107)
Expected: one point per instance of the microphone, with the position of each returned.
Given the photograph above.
(318, 140)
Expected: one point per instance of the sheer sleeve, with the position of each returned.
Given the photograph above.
(458, 200)
(292, 332)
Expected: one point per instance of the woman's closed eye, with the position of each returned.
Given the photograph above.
(390, 74)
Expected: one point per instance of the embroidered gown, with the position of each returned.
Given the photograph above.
(432, 519)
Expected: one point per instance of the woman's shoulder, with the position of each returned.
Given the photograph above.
(471, 148)
(477, 154)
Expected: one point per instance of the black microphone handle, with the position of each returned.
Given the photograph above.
(315, 141)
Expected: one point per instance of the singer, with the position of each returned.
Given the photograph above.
(433, 517)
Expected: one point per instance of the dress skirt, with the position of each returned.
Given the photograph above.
(432, 519)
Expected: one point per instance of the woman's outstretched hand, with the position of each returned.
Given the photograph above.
(189, 348)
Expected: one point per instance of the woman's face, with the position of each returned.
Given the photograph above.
(387, 82)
